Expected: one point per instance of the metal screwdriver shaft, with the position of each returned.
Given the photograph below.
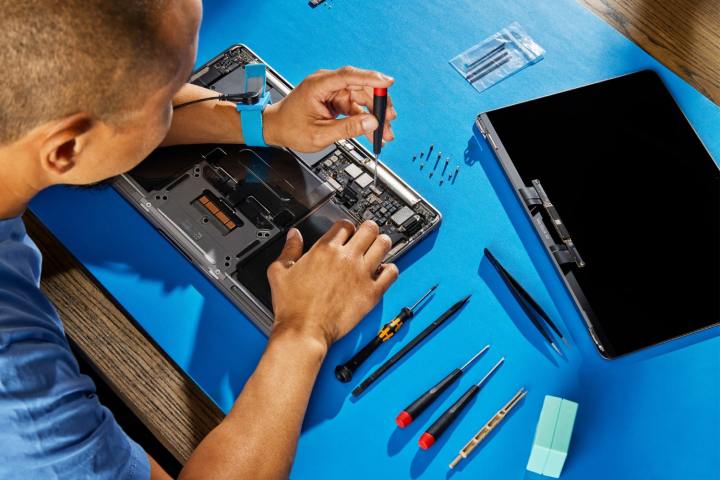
(469, 362)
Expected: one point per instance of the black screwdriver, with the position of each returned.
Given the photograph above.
(427, 331)
(412, 411)
(445, 420)
(379, 110)
(345, 372)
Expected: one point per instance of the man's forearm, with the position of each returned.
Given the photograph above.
(259, 436)
(205, 122)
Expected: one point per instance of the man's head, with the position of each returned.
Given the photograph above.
(87, 87)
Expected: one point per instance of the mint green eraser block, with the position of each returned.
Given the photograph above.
(561, 439)
(544, 432)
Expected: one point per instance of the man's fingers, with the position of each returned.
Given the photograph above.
(364, 97)
(377, 251)
(291, 252)
(339, 233)
(387, 276)
(350, 77)
(293, 249)
(351, 103)
(364, 237)
(329, 131)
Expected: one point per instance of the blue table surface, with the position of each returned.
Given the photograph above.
(654, 414)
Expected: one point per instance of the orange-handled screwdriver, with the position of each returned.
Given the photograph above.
(345, 371)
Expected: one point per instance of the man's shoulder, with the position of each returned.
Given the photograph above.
(20, 259)
(22, 304)
(50, 418)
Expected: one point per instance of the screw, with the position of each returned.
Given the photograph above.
(422, 165)
(414, 157)
(431, 174)
(441, 182)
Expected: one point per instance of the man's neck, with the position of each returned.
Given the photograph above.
(17, 185)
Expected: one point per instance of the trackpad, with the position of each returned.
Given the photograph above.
(252, 273)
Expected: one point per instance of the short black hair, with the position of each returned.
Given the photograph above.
(62, 57)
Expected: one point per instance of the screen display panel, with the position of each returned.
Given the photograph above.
(640, 196)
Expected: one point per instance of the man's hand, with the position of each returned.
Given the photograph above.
(317, 297)
(326, 292)
(306, 120)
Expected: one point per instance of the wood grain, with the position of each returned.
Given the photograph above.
(684, 35)
(173, 408)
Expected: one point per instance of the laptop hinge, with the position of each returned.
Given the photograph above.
(562, 254)
(565, 252)
(530, 196)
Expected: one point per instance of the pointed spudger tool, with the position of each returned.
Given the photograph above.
(409, 346)
(528, 304)
(412, 411)
(345, 371)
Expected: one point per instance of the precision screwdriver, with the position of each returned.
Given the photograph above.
(412, 411)
(345, 372)
(379, 110)
(445, 420)
(409, 346)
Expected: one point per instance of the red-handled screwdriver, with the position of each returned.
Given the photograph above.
(445, 420)
(379, 108)
(413, 411)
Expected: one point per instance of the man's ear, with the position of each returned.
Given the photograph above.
(62, 143)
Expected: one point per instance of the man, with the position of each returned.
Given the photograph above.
(87, 93)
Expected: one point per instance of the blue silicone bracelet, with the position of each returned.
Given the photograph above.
(252, 122)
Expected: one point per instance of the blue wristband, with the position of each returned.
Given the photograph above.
(252, 123)
(251, 115)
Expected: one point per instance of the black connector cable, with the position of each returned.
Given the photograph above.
(246, 98)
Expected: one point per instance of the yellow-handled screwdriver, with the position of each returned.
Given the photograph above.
(345, 371)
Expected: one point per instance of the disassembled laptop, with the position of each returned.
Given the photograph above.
(227, 207)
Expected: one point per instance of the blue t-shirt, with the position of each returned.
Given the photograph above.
(52, 425)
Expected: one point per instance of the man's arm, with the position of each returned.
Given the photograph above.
(305, 120)
(205, 122)
(317, 299)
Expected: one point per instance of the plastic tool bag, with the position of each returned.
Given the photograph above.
(497, 57)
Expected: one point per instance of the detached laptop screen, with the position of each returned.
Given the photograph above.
(640, 196)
